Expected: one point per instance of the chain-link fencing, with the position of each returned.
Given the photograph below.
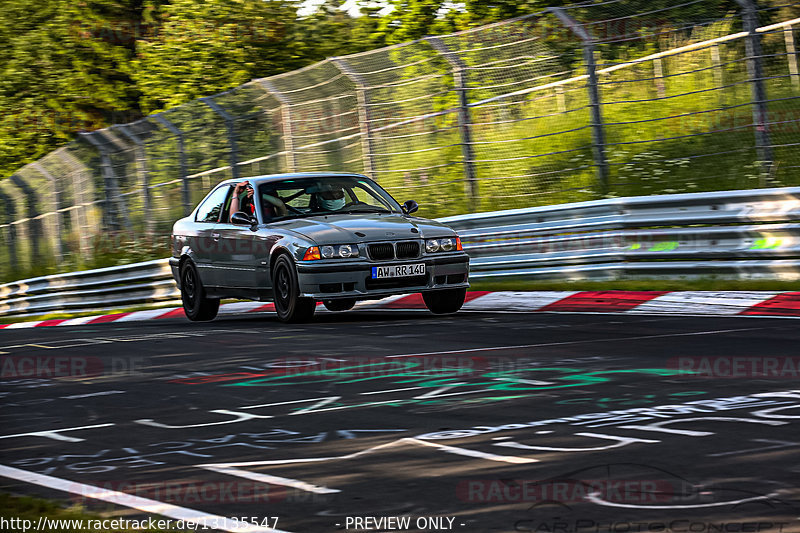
(591, 100)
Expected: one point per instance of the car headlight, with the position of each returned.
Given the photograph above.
(446, 244)
(332, 251)
(348, 250)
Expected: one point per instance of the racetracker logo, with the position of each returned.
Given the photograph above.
(68, 366)
(50, 367)
(737, 367)
(636, 491)
(185, 492)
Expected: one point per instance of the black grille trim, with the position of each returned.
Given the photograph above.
(380, 251)
(407, 249)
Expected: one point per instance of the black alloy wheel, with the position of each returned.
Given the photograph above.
(197, 306)
(288, 304)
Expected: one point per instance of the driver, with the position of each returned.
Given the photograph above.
(329, 196)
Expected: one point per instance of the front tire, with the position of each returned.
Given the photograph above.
(197, 306)
(341, 304)
(444, 301)
(288, 304)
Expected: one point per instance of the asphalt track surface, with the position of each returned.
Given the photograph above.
(477, 422)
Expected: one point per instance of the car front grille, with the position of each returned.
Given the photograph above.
(383, 250)
(407, 249)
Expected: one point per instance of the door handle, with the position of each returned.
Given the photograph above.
(215, 236)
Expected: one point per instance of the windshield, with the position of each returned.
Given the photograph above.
(324, 195)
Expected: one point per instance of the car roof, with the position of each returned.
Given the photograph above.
(257, 180)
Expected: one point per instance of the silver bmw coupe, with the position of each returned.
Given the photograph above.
(298, 239)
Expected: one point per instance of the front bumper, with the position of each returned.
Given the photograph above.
(353, 279)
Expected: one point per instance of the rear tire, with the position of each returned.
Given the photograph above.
(342, 304)
(288, 304)
(197, 306)
(444, 301)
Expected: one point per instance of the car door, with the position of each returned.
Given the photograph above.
(204, 241)
(236, 255)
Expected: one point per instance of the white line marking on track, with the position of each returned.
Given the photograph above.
(614, 339)
(273, 480)
(776, 444)
(133, 502)
(54, 433)
(475, 453)
(594, 498)
(288, 402)
(406, 440)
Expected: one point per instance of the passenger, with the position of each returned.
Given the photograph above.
(242, 199)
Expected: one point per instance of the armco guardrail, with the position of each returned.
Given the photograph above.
(731, 234)
(747, 234)
(150, 281)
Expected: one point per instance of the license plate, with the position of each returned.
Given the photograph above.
(398, 271)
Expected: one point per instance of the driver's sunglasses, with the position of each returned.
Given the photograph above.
(332, 195)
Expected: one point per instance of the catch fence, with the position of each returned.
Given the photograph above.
(591, 100)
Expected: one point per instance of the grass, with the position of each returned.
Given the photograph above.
(29, 508)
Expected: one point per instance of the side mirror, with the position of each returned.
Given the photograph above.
(410, 207)
(242, 219)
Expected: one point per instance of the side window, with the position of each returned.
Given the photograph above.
(210, 209)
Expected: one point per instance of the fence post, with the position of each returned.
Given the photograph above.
(755, 72)
(144, 180)
(34, 223)
(11, 215)
(84, 218)
(363, 114)
(464, 121)
(234, 155)
(113, 208)
(286, 122)
(185, 193)
(561, 100)
(57, 227)
(718, 71)
(658, 74)
(598, 133)
(791, 55)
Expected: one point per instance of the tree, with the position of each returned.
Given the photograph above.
(194, 49)
(63, 68)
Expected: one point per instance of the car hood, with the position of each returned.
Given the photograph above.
(367, 227)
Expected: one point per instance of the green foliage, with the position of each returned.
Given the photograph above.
(59, 74)
(194, 49)
(25, 508)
